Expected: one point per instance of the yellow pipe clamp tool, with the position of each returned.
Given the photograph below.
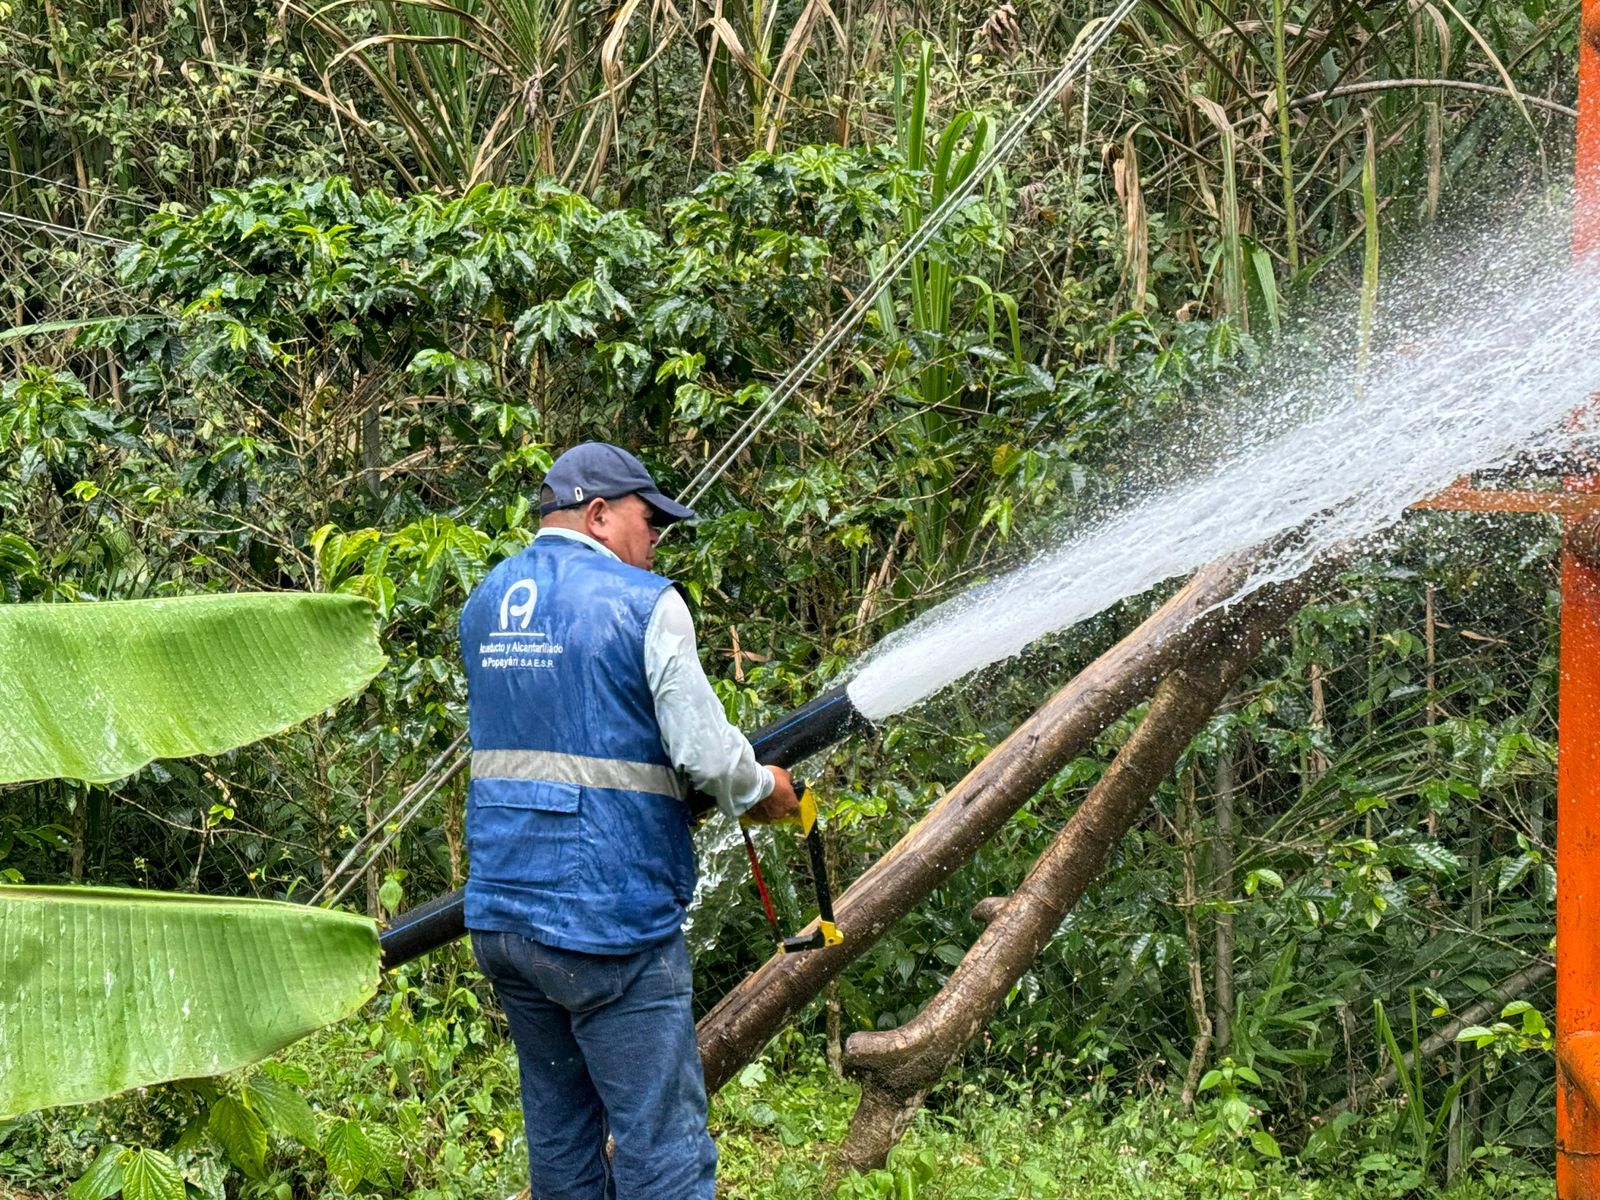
(826, 933)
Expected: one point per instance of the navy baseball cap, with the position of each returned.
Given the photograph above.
(600, 470)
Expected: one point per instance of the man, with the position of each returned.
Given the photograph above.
(590, 718)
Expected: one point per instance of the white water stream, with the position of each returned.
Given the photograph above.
(1482, 361)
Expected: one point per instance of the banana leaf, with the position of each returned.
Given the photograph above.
(94, 691)
(108, 988)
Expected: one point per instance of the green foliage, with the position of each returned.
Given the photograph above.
(414, 1101)
(1423, 1128)
(1034, 1143)
(465, 84)
(241, 1134)
(1236, 1112)
(349, 382)
(104, 1178)
(905, 1176)
(150, 1175)
(1532, 1032)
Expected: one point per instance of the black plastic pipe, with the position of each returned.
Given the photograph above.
(792, 738)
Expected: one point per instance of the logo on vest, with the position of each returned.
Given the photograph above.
(521, 613)
(511, 647)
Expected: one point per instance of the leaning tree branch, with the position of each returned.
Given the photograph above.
(897, 1068)
(1531, 975)
(744, 1020)
(1456, 85)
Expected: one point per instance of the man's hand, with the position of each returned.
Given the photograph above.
(779, 805)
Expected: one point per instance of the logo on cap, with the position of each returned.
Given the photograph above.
(523, 613)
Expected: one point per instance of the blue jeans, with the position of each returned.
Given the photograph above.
(606, 1044)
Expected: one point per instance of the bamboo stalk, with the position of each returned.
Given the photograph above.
(1285, 144)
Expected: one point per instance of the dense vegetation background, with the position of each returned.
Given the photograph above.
(307, 297)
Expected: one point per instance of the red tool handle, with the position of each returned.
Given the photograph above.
(761, 884)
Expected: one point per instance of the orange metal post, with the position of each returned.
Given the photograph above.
(1578, 886)
(1578, 772)
(1463, 497)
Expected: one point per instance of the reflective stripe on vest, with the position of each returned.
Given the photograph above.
(577, 769)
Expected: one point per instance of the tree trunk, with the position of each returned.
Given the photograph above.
(1429, 638)
(898, 1068)
(371, 435)
(744, 1020)
(1222, 859)
(1187, 835)
(1316, 760)
(80, 829)
(373, 882)
(1466, 1112)
(372, 874)
(455, 835)
(832, 1005)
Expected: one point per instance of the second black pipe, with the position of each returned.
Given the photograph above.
(792, 738)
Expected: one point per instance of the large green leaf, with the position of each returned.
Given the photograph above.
(280, 1106)
(95, 691)
(241, 1135)
(150, 1175)
(108, 988)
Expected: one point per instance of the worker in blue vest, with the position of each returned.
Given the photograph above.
(591, 721)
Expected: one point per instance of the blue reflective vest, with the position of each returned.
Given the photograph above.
(577, 827)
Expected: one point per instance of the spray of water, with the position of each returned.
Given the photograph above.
(1483, 360)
